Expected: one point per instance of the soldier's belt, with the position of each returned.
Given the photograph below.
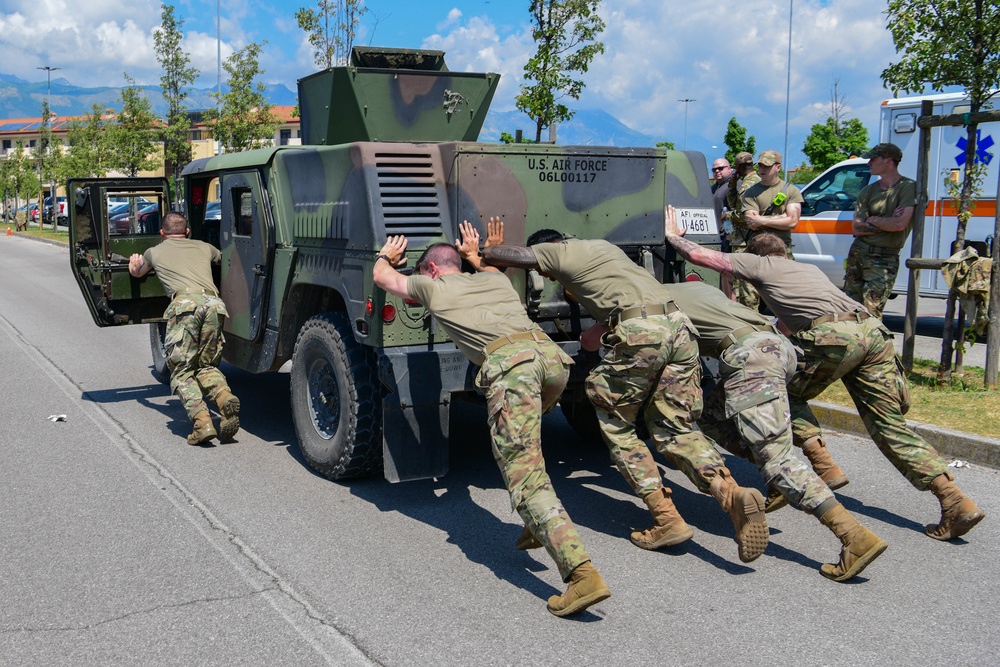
(513, 338)
(195, 292)
(876, 250)
(642, 311)
(851, 316)
(736, 334)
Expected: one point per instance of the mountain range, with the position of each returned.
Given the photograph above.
(23, 99)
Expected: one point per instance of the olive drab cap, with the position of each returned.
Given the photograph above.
(743, 158)
(768, 158)
(888, 150)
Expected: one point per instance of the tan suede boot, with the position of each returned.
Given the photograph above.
(586, 588)
(775, 499)
(203, 429)
(229, 406)
(527, 540)
(746, 509)
(959, 514)
(861, 546)
(823, 464)
(668, 526)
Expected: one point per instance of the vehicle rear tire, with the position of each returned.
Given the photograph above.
(157, 332)
(336, 399)
(581, 415)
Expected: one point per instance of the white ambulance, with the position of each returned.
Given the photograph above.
(823, 235)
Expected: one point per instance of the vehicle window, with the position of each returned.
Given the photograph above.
(135, 214)
(243, 205)
(838, 191)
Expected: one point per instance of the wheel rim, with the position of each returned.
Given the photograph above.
(324, 398)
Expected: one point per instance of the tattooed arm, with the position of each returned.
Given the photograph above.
(692, 252)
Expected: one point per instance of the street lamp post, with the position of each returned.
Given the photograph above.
(48, 149)
(685, 101)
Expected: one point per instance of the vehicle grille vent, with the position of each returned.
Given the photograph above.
(409, 195)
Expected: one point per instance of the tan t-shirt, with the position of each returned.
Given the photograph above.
(474, 309)
(600, 276)
(873, 200)
(714, 315)
(759, 197)
(796, 293)
(184, 264)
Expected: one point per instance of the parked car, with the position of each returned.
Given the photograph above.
(121, 223)
(213, 211)
(62, 217)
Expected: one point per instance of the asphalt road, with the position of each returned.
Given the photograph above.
(122, 545)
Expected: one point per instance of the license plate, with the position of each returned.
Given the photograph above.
(697, 220)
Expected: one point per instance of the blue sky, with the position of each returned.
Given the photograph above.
(730, 58)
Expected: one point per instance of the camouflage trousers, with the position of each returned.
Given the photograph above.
(651, 365)
(870, 276)
(861, 355)
(748, 414)
(193, 345)
(522, 381)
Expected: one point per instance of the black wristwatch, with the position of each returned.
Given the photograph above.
(385, 257)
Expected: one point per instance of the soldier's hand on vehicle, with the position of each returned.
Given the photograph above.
(494, 232)
(394, 249)
(468, 245)
(670, 227)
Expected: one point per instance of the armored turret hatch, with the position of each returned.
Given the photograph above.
(394, 95)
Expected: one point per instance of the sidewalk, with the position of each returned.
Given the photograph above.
(952, 444)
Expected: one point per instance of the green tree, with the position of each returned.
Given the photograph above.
(20, 179)
(243, 121)
(89, 153)
(331, 28)
(737, 140)
(564, 32)
(948, 43)
(132, 138)
(49, 156)
(508, 138)
(828, 143)
(669, 145)
(177, 74)
(804, 174)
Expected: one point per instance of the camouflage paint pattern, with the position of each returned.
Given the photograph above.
(651, 365)
(193, 346)
(522, 381)
(747, 413)
(869, 277)
(861, 355)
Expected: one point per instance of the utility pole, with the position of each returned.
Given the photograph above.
(48, 150)
(685, 101)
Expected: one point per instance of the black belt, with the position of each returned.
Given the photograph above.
(513, 338)
(736, 334)
(854, 315)
(877, 250)
(643, 311)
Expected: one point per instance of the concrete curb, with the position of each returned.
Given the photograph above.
(969, 447)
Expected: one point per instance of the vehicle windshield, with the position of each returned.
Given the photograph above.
(836, 190)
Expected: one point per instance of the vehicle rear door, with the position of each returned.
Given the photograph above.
(101, 245)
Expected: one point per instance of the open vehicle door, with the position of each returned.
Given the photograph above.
(109, 220)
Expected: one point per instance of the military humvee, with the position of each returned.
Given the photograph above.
(389, 147)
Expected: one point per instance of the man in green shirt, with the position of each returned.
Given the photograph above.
(195, 317)
(883, 217)
(523, 374)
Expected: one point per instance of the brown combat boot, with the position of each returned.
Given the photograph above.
(823, 464)
(959, 514)
(668, 526)
(527, 540)
(775, 499)
(229, 407)
(746, 509)
(861, 546)
(203, 429)
(586, 588)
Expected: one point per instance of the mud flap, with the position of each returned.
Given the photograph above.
(416, 408)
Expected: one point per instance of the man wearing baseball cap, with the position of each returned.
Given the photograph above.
(772, 205)
(883, 217)
(743, 178)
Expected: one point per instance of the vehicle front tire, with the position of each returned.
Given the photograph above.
(336, 399)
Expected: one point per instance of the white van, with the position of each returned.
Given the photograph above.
(823, 235)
